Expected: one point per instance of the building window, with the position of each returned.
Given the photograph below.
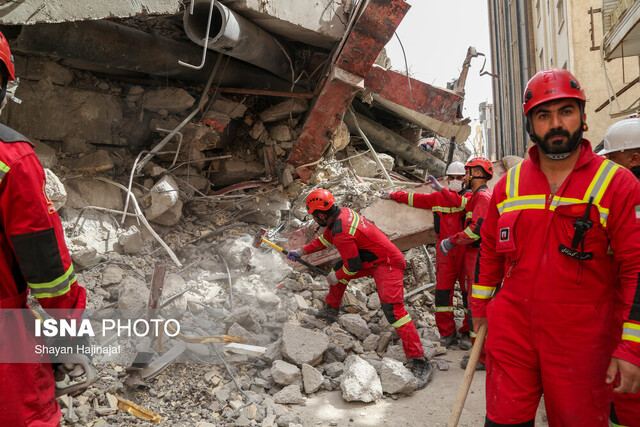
(538, 14)
(560, 12)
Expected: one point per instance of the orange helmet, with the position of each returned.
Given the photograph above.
(6, 58)
(319, 200)
(482, 162)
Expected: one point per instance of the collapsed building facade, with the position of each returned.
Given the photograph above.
(169, 130)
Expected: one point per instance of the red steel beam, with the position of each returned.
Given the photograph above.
(429, 100)
(372, 31)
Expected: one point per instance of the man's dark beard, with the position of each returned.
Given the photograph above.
(558, 148)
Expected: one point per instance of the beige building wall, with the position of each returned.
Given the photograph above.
(566, 43)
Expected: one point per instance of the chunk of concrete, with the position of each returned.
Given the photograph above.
(373, 302)
(268, 299)
(85, 257)
(173, 100)
(46, 154)
(396, 352)
(111, 275)
(232, 171)
(385, 339)
(93, 163)
(371, 343)
(171, 216)
(284, 109)
(300, 345)
(290, 395)
(249, 318)
(360, 381)
(131, 240)
(164, 195)
(312, 379)
(74, 144)
(280, 133)
(284, 373)
(363, 165)
(55, 190)
(355, 324)
(334, 369)
(341, 137)
(133, 295)
(84, 192)
(234, 110)
(396, 378)
(173, 284)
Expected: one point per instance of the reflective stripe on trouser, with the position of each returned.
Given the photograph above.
(526, 355)
(627, 409)
(390, 286)
(449, 269)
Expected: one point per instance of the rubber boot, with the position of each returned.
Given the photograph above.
(465, 361)
(329, 313)
(449, 340)
(423, 371)
(465, 341)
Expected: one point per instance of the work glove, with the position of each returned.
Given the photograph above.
(386, 196)
(434, 183)
(332, 279)
(295, 254)
(446, 246)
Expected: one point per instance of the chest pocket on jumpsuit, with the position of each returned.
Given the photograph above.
(506, 241)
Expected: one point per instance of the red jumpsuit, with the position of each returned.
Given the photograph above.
(33, 258)
(448, 220)
(476, 211)
(625, 408)
(559, 258)
(367, 251)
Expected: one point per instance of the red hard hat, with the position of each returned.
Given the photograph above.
(5, 56)
(549, 85)
(482, 162)
(319, 200)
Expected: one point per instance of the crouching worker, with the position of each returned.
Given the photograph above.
(365, 251)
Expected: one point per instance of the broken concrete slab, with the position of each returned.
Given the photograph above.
(355, 324)
(285, 374)
(82, 192)
(232, 171)
(396, 378)
(312, 379)
(282, 110)
(233, 110)
(300, 345)
(47, 155)
(36, 68)
(163, 195)
(290, 395)
(171, 216)
(112, 275)
(54, 189)
(63, 112)
(360, 381)
(134, 294)
(334, 369)
(172, 100)
(93, 163)
(131, 240)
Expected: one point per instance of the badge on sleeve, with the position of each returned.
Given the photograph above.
(504, 234)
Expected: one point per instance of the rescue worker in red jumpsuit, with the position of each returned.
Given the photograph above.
(561, 234)
(365, 251)
(479, 171)
(448, 220)
(33, 259)
(622, 146)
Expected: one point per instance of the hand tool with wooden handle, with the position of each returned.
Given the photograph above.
(468, 376)
(259, 239)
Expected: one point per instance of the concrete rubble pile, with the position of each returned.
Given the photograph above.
(218, 281)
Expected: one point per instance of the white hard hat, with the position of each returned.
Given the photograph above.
(623, 135)
(456, 168)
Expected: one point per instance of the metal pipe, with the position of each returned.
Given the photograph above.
(235, 36)
(115, 49)
(391, 141)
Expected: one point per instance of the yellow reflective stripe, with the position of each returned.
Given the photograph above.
(482, 292)
(472, 334)
(347, 272)
(443, 309)
(534, 201)
(444, 209)
(4, 169)
(324, 241)
(631, 332)
(57, 287)
(600, 181)
(513, 181)
(468, 215)
(410, 202)
(471, 234)
(344, 281)
(354, 224)
(406, 319)
(616, 425)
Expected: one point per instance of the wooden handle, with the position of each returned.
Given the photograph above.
(300, 260)
(468, 376)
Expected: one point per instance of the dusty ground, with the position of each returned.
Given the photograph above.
(430, 406)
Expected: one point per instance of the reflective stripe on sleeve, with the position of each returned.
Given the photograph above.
(410, 202)
(631, 332)
(401, 322)
(324, 241)
(468, 215)
(347, 272)
(482, 292)
(354, 223)
(4, 169)
(57, 287)
(471, 234)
